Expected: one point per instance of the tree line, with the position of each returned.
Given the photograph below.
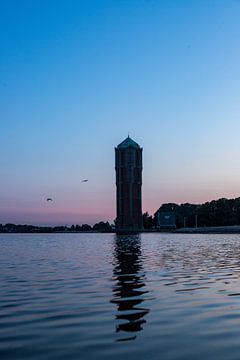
(98, 227)
(221, 212)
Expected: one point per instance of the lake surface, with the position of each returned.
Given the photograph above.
(99, 296)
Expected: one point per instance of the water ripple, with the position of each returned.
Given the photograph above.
(101, 296)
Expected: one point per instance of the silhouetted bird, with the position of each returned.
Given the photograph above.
(85, 180)
(49, 199)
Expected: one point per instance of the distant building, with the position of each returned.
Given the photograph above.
(128, 165)
(166, 220)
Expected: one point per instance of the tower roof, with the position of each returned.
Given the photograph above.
(128, 142)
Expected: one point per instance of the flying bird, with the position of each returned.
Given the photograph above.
(49, 199)
(85, 180)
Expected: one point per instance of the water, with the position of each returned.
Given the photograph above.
(98, 296)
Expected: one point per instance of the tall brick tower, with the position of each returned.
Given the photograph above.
(128, 165)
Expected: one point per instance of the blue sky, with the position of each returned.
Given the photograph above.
(77, 76)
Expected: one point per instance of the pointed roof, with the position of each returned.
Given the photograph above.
(128, 142)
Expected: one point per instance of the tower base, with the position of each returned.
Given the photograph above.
(128, 231)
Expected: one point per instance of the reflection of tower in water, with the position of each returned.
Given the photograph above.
(129, 287)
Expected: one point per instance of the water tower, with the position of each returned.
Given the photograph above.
(128, 165)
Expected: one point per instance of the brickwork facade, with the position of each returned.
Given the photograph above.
(128, 165)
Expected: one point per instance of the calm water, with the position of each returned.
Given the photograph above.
(156, 296)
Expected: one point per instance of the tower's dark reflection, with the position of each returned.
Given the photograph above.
(129, 285)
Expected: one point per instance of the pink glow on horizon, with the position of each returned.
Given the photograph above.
(53, 214)
(58, 218)
(99, 205)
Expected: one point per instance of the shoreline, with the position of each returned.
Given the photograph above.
(233, 229)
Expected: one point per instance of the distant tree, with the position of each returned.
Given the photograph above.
(148, 221)
(102, 226)
(10, 227)
(86, 227)
(59, 228)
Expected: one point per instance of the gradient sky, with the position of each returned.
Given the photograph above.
(77, 76)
